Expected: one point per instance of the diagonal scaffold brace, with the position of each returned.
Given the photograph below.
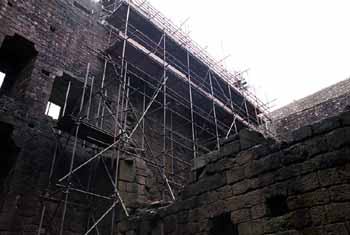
(128, 137)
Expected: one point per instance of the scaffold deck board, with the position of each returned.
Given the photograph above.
(87, 132)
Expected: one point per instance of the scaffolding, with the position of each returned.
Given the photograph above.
(162, 79)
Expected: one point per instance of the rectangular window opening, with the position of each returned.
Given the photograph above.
(66, 93)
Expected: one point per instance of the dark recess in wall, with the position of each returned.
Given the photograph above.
(277, 205)
(8, 155)
(17, 56)
(222, 225)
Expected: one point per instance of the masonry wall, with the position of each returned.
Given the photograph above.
(255, 186)
(325, 103)
(66, 37)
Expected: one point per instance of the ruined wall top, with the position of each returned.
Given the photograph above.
(320, 105)
(257, 186)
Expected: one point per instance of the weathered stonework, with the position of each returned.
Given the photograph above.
(250, 186)
(66, 36)
(297, 187)
(323, 104)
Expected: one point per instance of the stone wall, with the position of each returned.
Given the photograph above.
(256, 186)
(66, 35)
(313, 108)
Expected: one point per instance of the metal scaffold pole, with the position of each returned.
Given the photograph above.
(214, 112)
(172, 143)
(101, 91)
(90, 98)
(164, 105)
(74, 152)
(143, 121)
(191, 106)
(233, 124)
(142, 66)
(123, 71)
(66, 98)
(246, 110)
(43, 211)
(128, 137)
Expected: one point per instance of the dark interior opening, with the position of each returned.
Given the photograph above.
(222, 225)
(66, 93)
(8, 156)
(277, 205)
(17, 57)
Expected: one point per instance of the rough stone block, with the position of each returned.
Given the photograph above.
(345, 118)
(258, 211)
(241, 187)
(326, 125)
(332, 159)
(234, 203)
(240, 216)
(302, 133)
(307, 200)
(303, 184)
(266, 164)
(338, 138)
(220, 166)
(249, 138)
(244, 157)
(199, 162)
(338, 212)
(287, 172)
(254, 227)
(225, 192)
(235, 174)
(294, 154)
(332, 176)
(263, 180)
(209, 183)
(337, 229)
(314, 231)
(230, 149)
(340, 193)
(318, 215)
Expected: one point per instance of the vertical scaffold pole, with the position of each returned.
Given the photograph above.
(101, 91)
(143, 120)
(126, 102)
(125, 39)
(164, 105)
(123, 72)
(231, 104)
(233, 124)
(66, 98)
(246, 110)
(172, 142)
(191, 106)
(43, 211)
(103, 109)
(115, 152)
(90, 97)
(214, 111)
(73, 152)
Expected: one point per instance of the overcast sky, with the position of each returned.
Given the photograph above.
(292, 48)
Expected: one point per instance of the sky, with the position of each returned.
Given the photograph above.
(291, 48)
